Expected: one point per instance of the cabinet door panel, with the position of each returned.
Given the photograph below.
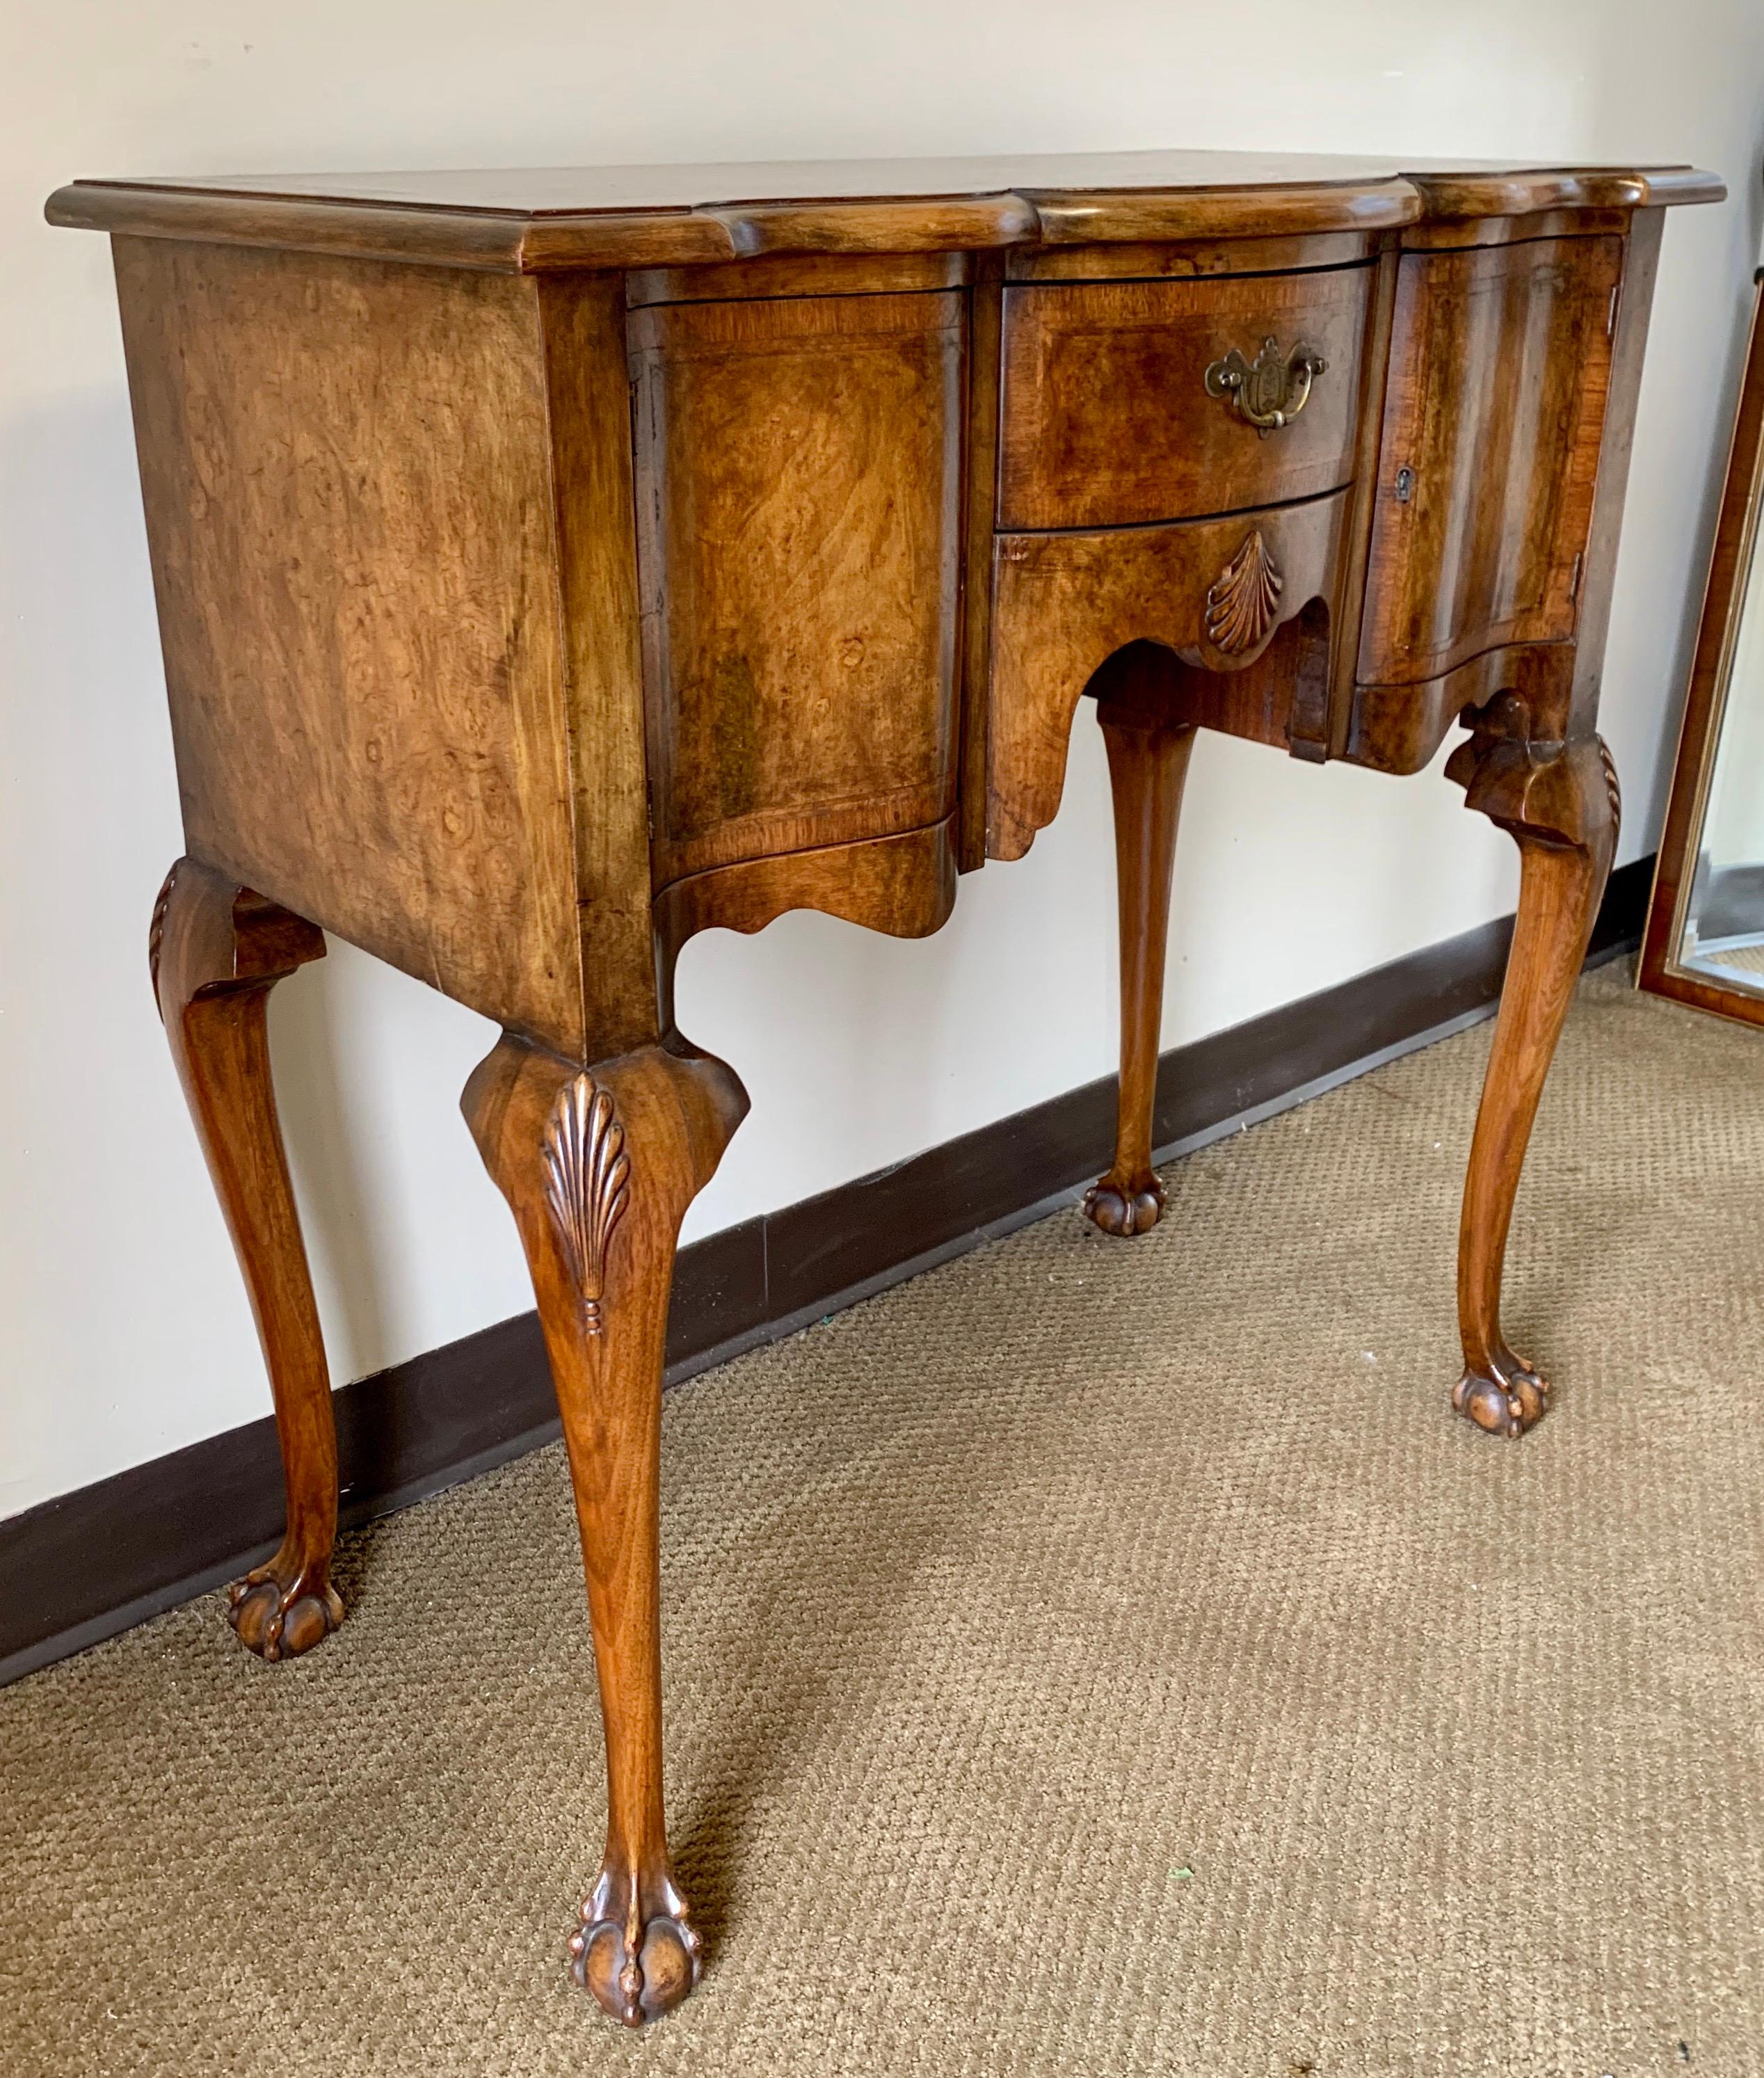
(1500, 359)
(798, 528)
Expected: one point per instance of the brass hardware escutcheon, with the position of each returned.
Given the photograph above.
(1270, 391)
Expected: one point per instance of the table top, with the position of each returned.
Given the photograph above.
(531, 220)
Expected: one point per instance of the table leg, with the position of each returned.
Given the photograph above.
(216, 949)
(1560, 803)
(1148, 761)
(598, 1166)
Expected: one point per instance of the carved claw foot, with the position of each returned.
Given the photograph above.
(1134, 1207)
(1506, 1399)
(280, 1609)
(635, 1949)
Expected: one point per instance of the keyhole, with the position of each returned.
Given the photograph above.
(1405, 485)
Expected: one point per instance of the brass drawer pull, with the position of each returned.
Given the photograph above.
(1271, 391)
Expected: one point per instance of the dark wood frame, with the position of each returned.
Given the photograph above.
(1705, 706)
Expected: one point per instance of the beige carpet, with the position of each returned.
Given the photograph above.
(1745, 961)
(1094, 1656)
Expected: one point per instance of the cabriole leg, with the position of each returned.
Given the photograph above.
(1560, 804)
(598, 1167)
(1148, 761)
(216, 950)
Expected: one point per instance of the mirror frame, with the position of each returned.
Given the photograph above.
(1742, 497)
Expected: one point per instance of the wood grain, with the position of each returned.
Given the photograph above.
(799, 274)
(980, 501)
(1064, 603)
(903, 885)
(1148, 761)
(368, 731)
(568, 218)
(617, 1152)
(582, 324)
(926, 223)
(1622, 398)
(1108, 421)
(1494, 407)
(1523, 191)
(1332, 737)
(215, 951)
(799, 530)
(1399, 728)
(1560, 804)
(1295, 209)
(1193, 258)
(1451, 233)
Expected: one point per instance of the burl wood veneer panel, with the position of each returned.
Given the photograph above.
(1500, 361)
(1108, 421)
(798, 477)
(346, 469)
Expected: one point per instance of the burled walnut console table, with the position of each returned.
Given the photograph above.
(553, 566)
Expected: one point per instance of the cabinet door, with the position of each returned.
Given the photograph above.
(799, 468)
(1500, 358)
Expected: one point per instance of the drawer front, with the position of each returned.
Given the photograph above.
(1246, 602)
(1112, 417)
(799, 472)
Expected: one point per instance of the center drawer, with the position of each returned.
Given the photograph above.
(1130, 401)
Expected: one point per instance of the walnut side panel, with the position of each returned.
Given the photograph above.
(1494, 408)
(798, 519)
(345, 470)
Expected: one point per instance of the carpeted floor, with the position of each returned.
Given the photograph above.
(1092, 1657)
(1746, 962)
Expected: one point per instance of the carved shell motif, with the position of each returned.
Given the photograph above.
(587, 1173)
(1613, 791)
(1243, 598)
(155, 931)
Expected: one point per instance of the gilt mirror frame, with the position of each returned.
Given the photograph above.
(1661, 972)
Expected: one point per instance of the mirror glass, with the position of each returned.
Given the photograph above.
(1722, 936)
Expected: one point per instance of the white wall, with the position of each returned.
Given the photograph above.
(126, 1332)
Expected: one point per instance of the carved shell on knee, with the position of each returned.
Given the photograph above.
(1243, 598)
(156, 932)
(1613, 791)
(587, 1179)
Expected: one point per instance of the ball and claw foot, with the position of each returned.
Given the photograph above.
(1506, 1399)
(279, 1612)
(638, 1963)
(1134, 1207)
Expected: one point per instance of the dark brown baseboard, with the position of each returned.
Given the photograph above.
(82, 1567)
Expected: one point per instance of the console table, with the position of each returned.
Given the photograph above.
(551, 566)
